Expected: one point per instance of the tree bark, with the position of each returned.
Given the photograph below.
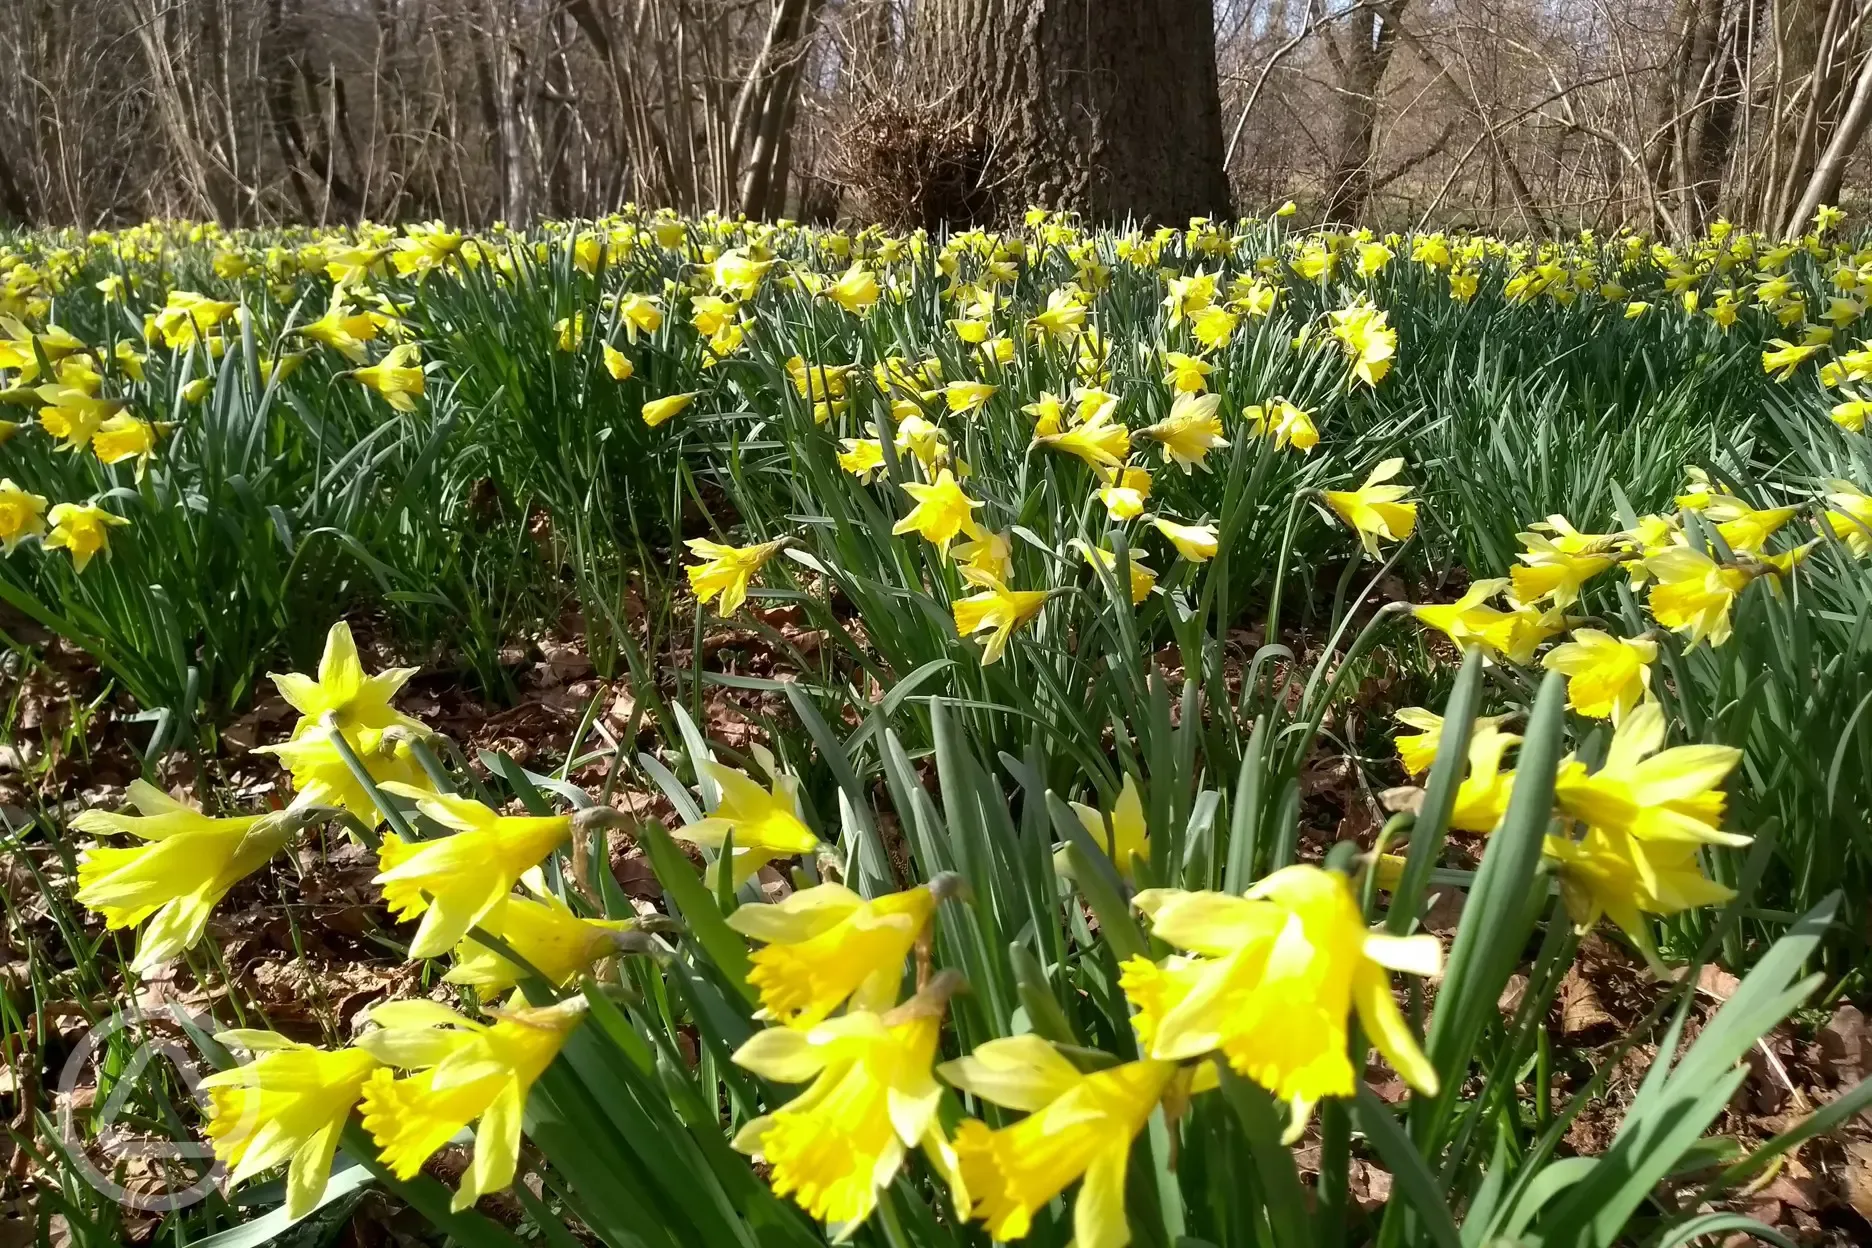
(1107, 108)
(1368, 42)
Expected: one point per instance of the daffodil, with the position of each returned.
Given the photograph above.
(826, 945)
(640, 314)
(1781, 362)
(1610, 874)
(455, 881)
(862, 457)
(1648, 792)
(616, 363)
(1850, 518)
(397, 377)
(1694, 594)
(1272, 981)
(942, 510)
(1482, 798)
(1188, 374)
(289, 1104)
(1142, 578)
(1418, 750)
(125, 437)
(73, 416)
(546, 934)
(855, 291)
(22, 514)
(1099, 441)
(344, 697)
(1548, 570)
(1606, 676)
(189, 862)
(1124, 492)
(1376, 510)
(465, 1071)
(998, 611)
(343, 329)
(1197, 543)
(986, 558)
(725, 572)
(1077, 1126)
(872, 1096)
(765, 823)
(657, 411)
(1125, 835)
(1191, 430)
(322, 777)
(187, 317)
(83, 529)
(967, 396)
(1284, 423)
(1369, 343)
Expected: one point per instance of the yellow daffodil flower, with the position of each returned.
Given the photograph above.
(464, 1071)
(22, 514)
(967, 396)
(826, 945)
(1482, 798)
(855, 291)
(289, 1104)
(1276, 973)
(986, 558)
(344, 696)
(998, 611)
(1850, 518)
(1606, 676)
(1125, 492)
(1376, 510)
(1694, 594)
(73, 416)
(1142, 578)
(1197, 543)
(872, 1097)
(765, 823)
(1648, 792)
(1612, 875)
(616, 363)
(1283, 422)
(83, 529)
(455, 881)
(641, 314)
(397, 377)
(187, 317)
(941, 511)
(1191, 430)
(189, 862)
(1781, 362)
(1367, 339)
(1099, 441)
(1551, 571)
(1418, 750)
(657, 411)
(725, 571)
(1126, 835)
(545, 933)
(862, 458)
(1078, 1126)
(1188, 374)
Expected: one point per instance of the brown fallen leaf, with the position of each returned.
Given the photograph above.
(1580, 1008)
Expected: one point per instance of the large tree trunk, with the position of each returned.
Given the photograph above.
(1107, 108)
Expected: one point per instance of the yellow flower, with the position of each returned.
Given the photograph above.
(1850, 519)
(617, 363)
(1126, 835)
(941, 511)
(22, 514)
(1376, 510)
(290, 1104)
(465, 1071)
(1078, 1126)
(999, 611)
(187, 317)
(1609, 874)
(1191, 430)
(74, 416)
(827, 944)
(1786, 358)
(1694, 593)
(1124, 492)
(1063, 316)
(1197, 543)
(1215, 325)
(342, 329)
(1606, 676)
(871, 1098)
(1367, 340)
(967, 396)
(322, 778)
(125, 437)
(1418, 750)
(1285, 423)
(1188, 374)
(1551, 571)
(1098, 441)
(1275, 976)
(656, 411)
(986, 558)
(862, 457)
(1372, 259)
(190, 862)
(765, 823)
(358, 704)
(1482, 798)
(1142, 578)
(641, 314)
(83, 529)
(725, 571)
(397, 377)
(465, 875)
(1653, 794)
(855, 291)
(545, 933)
(1851, 415)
